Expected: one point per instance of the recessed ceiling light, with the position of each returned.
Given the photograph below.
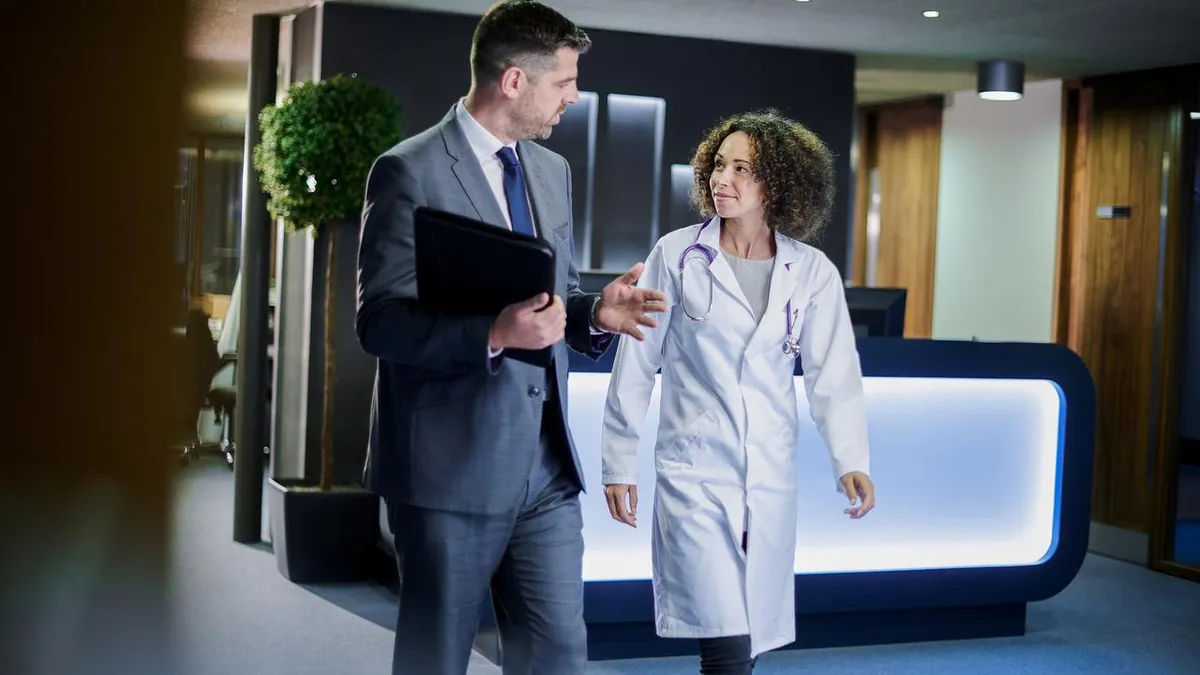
(801, 0)
(931, 14)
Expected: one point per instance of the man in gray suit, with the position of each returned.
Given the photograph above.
(471, 450)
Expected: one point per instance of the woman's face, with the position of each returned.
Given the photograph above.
(736, 193)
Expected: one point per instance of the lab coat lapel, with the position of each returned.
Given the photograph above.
(722, 273)
(784, 277)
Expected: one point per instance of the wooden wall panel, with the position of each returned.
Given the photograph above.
(863, 162)
(903, 142)
(1118, 291)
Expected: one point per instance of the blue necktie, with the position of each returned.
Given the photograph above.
(514, 192)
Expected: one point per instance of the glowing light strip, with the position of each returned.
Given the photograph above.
(934, 512)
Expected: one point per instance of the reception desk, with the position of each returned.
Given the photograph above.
(982, 459)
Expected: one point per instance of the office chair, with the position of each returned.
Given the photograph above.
(221, 393)
(200, 362)
(222, 398)
(210, 383)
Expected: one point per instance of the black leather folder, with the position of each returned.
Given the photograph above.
(467, 266)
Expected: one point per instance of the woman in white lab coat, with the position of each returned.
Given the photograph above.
(746, 299)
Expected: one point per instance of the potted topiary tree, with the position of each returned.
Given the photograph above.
(317, 147)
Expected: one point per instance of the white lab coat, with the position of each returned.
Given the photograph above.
(728, 426)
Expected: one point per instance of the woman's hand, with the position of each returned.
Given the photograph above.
(622, 503)
(859, 488)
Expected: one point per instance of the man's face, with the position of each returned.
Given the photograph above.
(545, 97)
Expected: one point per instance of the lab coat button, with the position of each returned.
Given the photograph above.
(534, 392)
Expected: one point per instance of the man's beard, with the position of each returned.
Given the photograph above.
(527, 126)
(527, 130)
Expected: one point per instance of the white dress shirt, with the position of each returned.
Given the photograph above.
(485, 146)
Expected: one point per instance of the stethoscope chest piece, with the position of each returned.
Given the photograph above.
(791, 347)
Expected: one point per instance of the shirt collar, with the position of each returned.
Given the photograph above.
(482, 142)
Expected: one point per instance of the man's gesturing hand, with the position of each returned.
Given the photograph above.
(623, 306)
(525, 325)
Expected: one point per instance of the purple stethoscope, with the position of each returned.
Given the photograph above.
(791, 344)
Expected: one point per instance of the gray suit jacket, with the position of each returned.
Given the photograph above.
(452, 429)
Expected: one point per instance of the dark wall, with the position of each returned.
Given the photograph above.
(422, 58)
(354, 369)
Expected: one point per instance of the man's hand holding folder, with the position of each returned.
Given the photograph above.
(529, 324)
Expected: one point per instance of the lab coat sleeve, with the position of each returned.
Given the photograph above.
(632, 382)
(833, 375)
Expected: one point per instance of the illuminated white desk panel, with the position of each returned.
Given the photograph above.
(966, 474)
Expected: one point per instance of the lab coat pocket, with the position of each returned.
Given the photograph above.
(680, 450)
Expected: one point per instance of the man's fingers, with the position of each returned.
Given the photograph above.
(636, 334)
(632, 275)
(547, 304)
(633, 499)
(647, 321)
(652, 296)
(536, 302)
(654, 307)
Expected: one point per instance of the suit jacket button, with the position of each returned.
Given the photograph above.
(534, 392)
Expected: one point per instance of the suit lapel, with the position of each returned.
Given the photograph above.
(538, 191)
(468, 172)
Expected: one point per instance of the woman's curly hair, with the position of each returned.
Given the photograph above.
(795, 166)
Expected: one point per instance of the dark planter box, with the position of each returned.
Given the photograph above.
(324, 537)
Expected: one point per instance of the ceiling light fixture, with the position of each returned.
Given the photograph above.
(1001, 80)
(1194, 115)
(931, 14)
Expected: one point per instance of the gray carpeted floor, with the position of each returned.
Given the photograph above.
(234, 613)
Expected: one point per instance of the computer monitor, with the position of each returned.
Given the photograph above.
(594, 281)
(877, 312)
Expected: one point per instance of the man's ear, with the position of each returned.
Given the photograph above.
(512, 80)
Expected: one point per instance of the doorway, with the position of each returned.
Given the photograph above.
(1122, 300)
(1179, 545)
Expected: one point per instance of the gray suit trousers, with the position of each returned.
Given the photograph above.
(531, 559)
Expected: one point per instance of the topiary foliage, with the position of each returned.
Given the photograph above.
(318, 146)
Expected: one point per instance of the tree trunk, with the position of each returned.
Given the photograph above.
(327, 382)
